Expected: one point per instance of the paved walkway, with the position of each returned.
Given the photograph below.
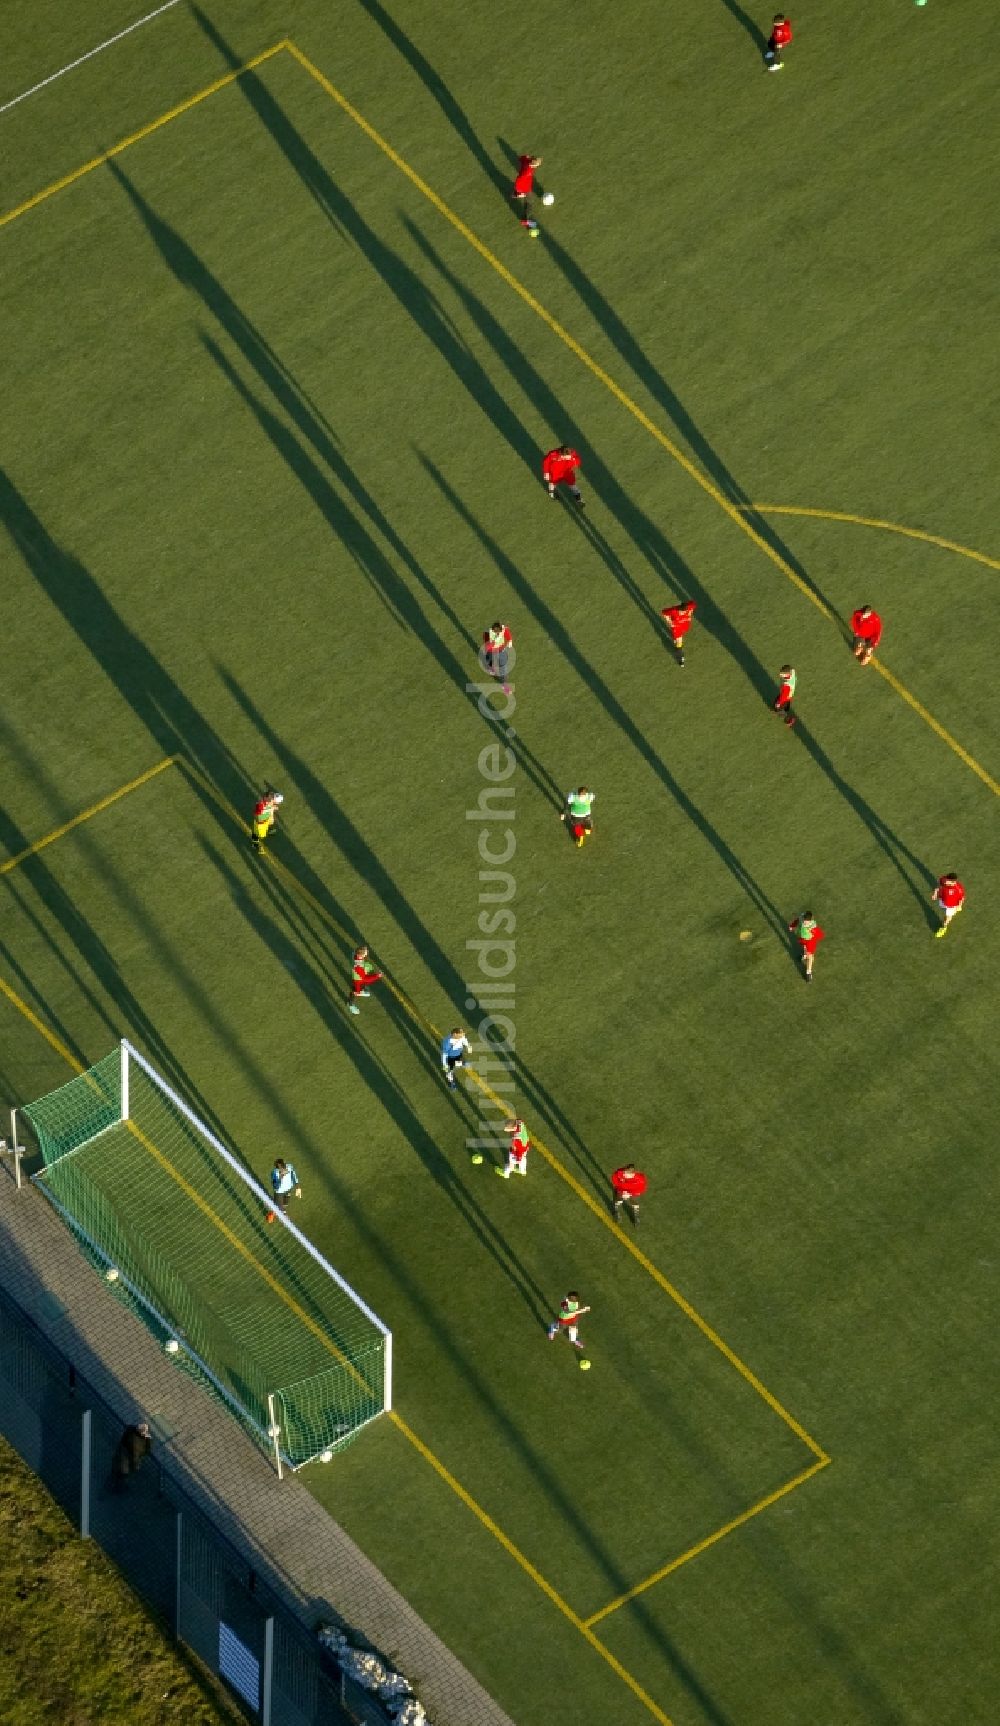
(287, 1537)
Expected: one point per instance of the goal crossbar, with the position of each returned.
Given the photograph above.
(274, 1329)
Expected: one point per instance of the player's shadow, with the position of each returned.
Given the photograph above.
(363, 859)
(912, 870)
(177, 726)
(684, 424)
(311, 454)
(647, 536)
(624, 577)
(349, 1035)
(418, 302)
(560, 636)
(757, 36)
(383, 575)
(449, 105)
(537, 1301)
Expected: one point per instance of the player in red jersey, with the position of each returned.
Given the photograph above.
(949, 896)
(518, 1146)
(521, 192)
(678, 619)
(559, 468)
(498, 644)
(628, 1184)
(787, 679)
(809, 935)
(781, 35)
(866, 627)
(361, 978)
(265, 814)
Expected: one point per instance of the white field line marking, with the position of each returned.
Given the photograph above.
(23, 97)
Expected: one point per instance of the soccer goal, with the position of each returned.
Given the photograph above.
(177, 1227)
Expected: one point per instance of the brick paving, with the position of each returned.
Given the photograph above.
(287, 1537)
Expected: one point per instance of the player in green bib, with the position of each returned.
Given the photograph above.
(567, 1319)
(578, 813)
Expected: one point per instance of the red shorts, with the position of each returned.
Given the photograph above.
(784, 696)
(811, 945)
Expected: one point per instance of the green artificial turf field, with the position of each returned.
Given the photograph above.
(272, 428)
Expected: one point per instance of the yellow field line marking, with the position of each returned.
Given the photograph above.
(822, 1459)
(87, 814)
(136, 137)
(709, 1540)
(583, 1626)
(548, 1156)
(43, 1030)
(735, 512)
(939, 730)
(874, 521)
(891, 679)
(424, 1450)
(578, 1623)
(690, 1312)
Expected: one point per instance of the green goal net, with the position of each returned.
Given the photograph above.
(177, 1226)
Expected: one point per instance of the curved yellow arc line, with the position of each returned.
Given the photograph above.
(874, 521)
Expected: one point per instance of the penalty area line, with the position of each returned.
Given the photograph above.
(668, 1288)
(406, 1431)
(710, 1540)
(137, 137)
(20, 857)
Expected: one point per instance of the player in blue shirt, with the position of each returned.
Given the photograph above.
(454, 1048)
(284, 1182)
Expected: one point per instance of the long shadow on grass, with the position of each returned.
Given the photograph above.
(350, 1037)
(383, 576)
(910, 868)
(419, 304)
(176, 726)
(30, 992)
(642, 366)
(309, 450)
(647, 536)
(315, 431)
(400, 1110)
(423, 307)
(351, 844)
(35, 879)
(561, 637)
(445, 98)
(757, 36)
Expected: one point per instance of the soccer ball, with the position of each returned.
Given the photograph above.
(111, 1275)
(477, 1159)
(548, 198)
(173, 1346)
